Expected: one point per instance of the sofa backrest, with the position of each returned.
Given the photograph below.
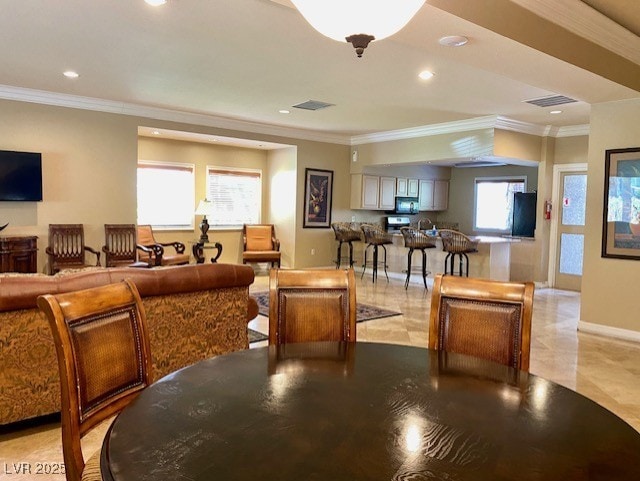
(22, 291)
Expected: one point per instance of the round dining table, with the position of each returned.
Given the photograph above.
(364, 411)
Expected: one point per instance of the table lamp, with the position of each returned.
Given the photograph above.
(205, 208)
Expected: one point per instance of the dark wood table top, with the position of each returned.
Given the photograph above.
(364, 411)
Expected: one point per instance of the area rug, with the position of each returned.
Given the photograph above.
(255, 336)
(364, 312)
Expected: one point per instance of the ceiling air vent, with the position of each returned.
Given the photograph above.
(313, 105)
(551, 100)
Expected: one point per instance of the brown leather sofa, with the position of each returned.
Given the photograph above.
(193, 312)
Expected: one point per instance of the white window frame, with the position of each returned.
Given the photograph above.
(503, 178)
(213, 221)
(188, 223)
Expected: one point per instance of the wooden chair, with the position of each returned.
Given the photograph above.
(260, 244)
(482, 318)
(104, 361)
(312, 305)
(159, 257)
(66, 248)
(121, 247)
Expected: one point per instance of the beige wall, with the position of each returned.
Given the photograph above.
(571, 150)
(609, 286)
(516, 145)
(89, 175)
(461, 191)
(282, 211)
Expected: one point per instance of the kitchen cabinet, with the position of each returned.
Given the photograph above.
(412, 188)
(372, 192)
(402, 186)
(433, 194)
(387, 199)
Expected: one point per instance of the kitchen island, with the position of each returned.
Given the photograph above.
(492, 261)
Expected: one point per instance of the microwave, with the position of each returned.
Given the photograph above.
(406, 205)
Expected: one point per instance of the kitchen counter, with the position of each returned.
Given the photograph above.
(492, 261)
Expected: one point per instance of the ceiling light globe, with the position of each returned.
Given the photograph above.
(338, 19)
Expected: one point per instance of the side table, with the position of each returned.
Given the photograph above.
(199, 247)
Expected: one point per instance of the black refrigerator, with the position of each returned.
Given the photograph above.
(524, 214)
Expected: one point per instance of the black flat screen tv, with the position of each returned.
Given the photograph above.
(20, 176)
(524, 214)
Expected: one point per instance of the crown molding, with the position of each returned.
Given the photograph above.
(88, 103)
(477, 123)
(122, 108)
(573, 130)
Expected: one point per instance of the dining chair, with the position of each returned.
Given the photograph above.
(260, 244)
(482, 318)
(160, 257)
(66, 249)
(311, 305)
(104, 360)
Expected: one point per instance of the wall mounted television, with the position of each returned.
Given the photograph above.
(20, 176)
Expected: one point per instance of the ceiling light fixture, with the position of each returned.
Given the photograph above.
(155, 132)
(71, 74)
(359, 22)
(425, 75)
(453, 41)
(555, 112)
(155, 3)
(284, 111)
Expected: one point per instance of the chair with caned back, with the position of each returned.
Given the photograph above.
(121, 247)
(104, 362)
(482, 318)
(260, 244)
(66, 249)
(160, 257)
(312, 305)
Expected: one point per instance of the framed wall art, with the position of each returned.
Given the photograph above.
(318, 191)
(621, 219)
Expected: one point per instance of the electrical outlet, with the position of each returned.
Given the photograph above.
(313, 252)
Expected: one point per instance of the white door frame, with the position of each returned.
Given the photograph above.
(558, 169)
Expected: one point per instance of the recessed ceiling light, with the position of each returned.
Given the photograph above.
(555, 112)
(284, 111)
(425, 75)
(71, 74)
(453, 41)
(155, 3)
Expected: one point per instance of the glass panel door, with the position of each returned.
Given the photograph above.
(571, 231)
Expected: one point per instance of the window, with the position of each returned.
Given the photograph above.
(494, 202)
(166, 194)
(236, 195)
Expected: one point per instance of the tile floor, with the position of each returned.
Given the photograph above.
(605, 370)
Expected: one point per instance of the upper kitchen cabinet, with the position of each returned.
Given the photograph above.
(433, 194)
(412, 188)
(372, 192)
(402, 186)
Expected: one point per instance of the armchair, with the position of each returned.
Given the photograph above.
(121, 248)
(260, 244)
(66, 248)
(158, 257)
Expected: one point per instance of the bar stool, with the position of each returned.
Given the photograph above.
(345, 232)
(456, 244)
(416, 240)
(375, 236)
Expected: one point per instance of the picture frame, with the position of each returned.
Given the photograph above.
(318, 196)
(621, 213)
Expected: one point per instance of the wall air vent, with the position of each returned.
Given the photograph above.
(551, 100)
(313, 105)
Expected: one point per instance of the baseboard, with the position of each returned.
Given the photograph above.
(608, 331)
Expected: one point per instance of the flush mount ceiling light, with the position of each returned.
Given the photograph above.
(555, 112)
(358, 21)
(453, 41)
(425, 75)
(155, 3)
(71, 74)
